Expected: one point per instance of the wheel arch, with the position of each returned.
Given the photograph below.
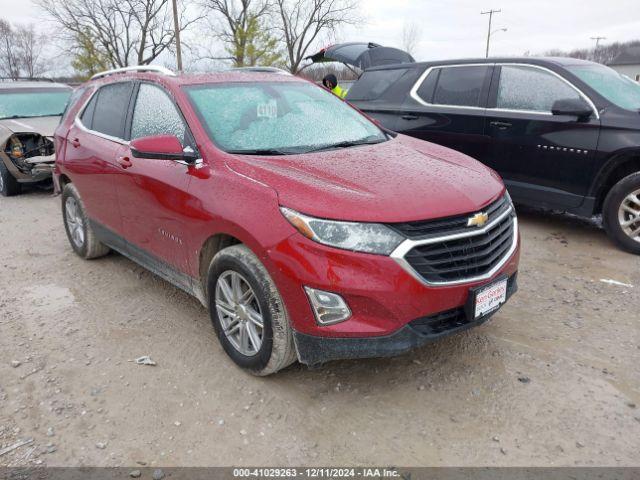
(210, 247)
(620, 165)
(64, 180)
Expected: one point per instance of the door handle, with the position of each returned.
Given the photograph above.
(410, 117)
(75, 142)
(124, 162)
(501, 125)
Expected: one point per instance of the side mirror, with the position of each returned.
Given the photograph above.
(161, 147)
(574, 107)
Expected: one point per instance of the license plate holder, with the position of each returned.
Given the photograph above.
(486, 299)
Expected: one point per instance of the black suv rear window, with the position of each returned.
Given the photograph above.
(111, 109)
(460, 86)
(372, 84)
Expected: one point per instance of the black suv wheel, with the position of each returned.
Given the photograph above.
(621, 213)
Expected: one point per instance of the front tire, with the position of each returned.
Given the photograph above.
(81, 236)
(9, 186)
(621, 213)
(248, 313)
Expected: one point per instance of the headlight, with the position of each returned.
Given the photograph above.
(359, 237)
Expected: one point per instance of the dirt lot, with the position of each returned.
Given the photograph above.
(553, 379)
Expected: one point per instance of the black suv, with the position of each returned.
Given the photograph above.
(563, 133)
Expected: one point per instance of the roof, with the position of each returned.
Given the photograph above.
(31, 84)
(630, 56)
(560, 61)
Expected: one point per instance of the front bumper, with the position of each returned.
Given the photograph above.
(381, 294)
(315, 350)
(42, 169)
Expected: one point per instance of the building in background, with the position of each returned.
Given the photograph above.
(628, 63)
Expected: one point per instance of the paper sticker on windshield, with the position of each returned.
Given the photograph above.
(268, 109)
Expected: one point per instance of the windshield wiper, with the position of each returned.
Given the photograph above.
(347, 144)
(261, 151)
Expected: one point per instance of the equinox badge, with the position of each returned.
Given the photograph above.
(478, 220)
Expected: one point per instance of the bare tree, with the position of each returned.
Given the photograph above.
(411, 33)
(9, 63)
(602, 54)
(20, 51)
(30, 45)
(302, 24)
(124, 32)
(241, 26)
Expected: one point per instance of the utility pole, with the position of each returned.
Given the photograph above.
(490, 13)
(176, 26)
(597, 39)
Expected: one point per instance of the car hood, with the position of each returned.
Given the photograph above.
(45, 126)
(400, 180)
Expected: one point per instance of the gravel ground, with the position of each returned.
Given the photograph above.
(553, 379)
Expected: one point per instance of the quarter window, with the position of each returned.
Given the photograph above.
(87, 115)
(111, 109)
(460, 86)
(75, 97)
(532, 89)
(428, 86)
(156, 114)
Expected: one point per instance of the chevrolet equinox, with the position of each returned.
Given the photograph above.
(308, 231)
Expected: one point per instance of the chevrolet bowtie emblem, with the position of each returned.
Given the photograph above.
(478, 220)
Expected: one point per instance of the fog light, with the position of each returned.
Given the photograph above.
(328, 308)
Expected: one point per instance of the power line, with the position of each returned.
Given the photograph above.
(597, 39)
(490, 13)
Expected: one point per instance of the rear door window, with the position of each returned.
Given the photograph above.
(461, 85)
(531, 89)
(111, 109)
(372, 84)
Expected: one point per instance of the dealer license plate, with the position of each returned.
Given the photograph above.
(490, 298)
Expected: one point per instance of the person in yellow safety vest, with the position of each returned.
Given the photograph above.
(331, 82)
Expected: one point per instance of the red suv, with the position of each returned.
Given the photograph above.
(308, 231)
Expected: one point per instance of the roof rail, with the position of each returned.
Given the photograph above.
(257, 69)
(135, 68)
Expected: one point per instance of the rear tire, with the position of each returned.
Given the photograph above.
(9, 186)
(242, 296)
(81, 236)
(621, 213)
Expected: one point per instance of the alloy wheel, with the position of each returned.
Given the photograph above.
(75, 223)
(629, 215)
(1, 182)
(239, 313)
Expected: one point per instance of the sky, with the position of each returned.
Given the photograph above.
(455, 28)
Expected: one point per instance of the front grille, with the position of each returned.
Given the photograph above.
(447, 250)
(446, 226)
(469, 257)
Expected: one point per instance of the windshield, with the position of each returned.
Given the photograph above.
(33, 102)
(279, 118)
(616, 88)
